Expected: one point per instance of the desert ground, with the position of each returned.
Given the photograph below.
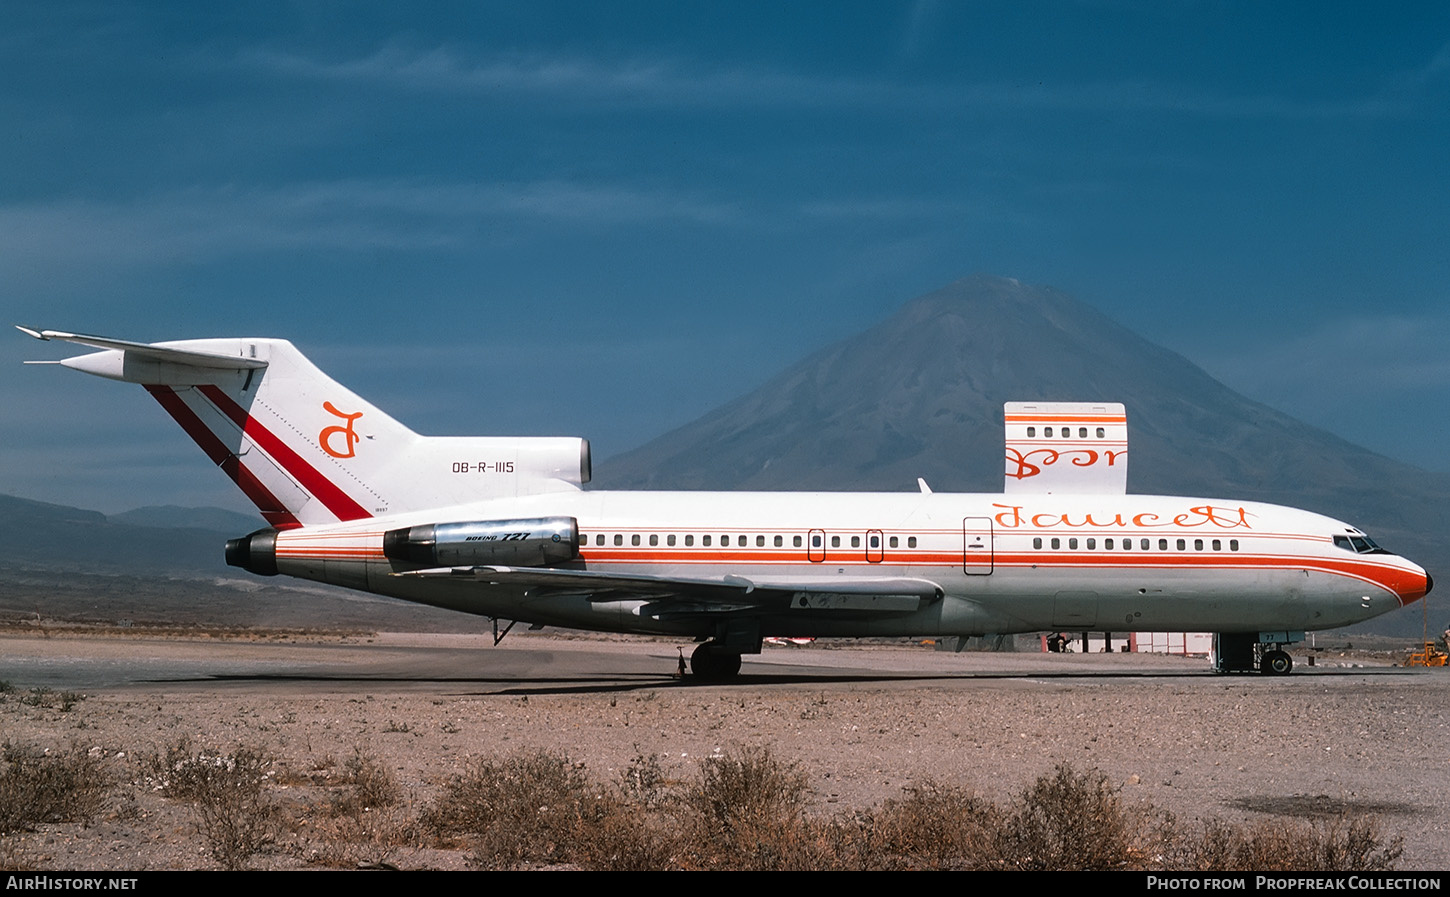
(861, 721)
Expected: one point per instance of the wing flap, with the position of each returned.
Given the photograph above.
(674, 595)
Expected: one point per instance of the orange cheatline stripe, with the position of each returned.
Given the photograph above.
(1388, 577)
(1066, 418)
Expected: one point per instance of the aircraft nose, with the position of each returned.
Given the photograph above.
(1413, 588)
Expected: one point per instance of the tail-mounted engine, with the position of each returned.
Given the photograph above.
(256, 552)
(538, 542)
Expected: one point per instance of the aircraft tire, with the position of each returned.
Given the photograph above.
(1277, 663)
(712, 663)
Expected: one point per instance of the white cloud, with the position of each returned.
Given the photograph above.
(38, 239)
(670, 82)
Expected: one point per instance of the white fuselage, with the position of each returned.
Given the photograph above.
(1003, 563)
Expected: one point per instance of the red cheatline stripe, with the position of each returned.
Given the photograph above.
(273, 511)
(323, 489)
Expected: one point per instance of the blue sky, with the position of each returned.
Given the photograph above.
(604, 219)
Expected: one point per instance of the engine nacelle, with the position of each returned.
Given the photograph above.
(256, 552)
(536, 542)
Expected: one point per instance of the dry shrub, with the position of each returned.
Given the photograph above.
(37, 787)
(643, 781)
(1070, 821)
(366, 821)
(1340, 844)
(934, 826)
(747, 811)
(228, 791)
(532, 807)
(746, 786)
(369, 785)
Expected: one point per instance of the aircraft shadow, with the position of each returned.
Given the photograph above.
(623, 683)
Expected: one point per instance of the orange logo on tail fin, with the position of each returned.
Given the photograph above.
(345, 431)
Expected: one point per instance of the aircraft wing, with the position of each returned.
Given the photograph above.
(675, 596)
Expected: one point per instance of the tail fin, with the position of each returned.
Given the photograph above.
(1066, 447)
(307, 450)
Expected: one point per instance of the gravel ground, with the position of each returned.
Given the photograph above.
(1339, 736)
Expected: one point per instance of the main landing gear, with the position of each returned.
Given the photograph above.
(713, 662)
(1248, 652)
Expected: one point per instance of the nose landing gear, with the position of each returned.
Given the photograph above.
(1250, 652)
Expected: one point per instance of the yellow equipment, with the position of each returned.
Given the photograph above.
(1429, 656)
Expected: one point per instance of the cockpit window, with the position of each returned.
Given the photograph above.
(1358, 544)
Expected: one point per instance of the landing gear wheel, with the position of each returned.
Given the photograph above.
(713, 663)
(1276, 662)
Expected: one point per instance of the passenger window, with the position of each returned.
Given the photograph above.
(815, 541)
(1197, 544)
(1217, 545)
(1031, 432)
(670, 540)
(855, 541)
(704, 541)
(760, 541)
(1101, 433)
(1082, 432)
(796, 541)
(1162, 544)
(654, 540)
(1056, 544)
(893, 541)
(618, 539)
(1072, 543)
(1107, 544)
(599, 539)
(1233, 544)
(910, 541)
(634, 539)
(835, 541)
(875, 541)
(1037, 542)
(1091, 544)
(780, 540)
(1182, 544)
(690, 541)
(1047, 431)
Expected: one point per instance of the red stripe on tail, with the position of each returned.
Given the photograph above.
(324, 490)
(272, 510)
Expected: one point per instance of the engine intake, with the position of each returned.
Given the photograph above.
(536, 542)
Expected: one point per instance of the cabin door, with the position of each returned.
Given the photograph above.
(977, 551)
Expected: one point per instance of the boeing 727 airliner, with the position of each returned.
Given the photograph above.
(504, 527)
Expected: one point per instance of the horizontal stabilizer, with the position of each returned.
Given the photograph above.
(126, 360)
